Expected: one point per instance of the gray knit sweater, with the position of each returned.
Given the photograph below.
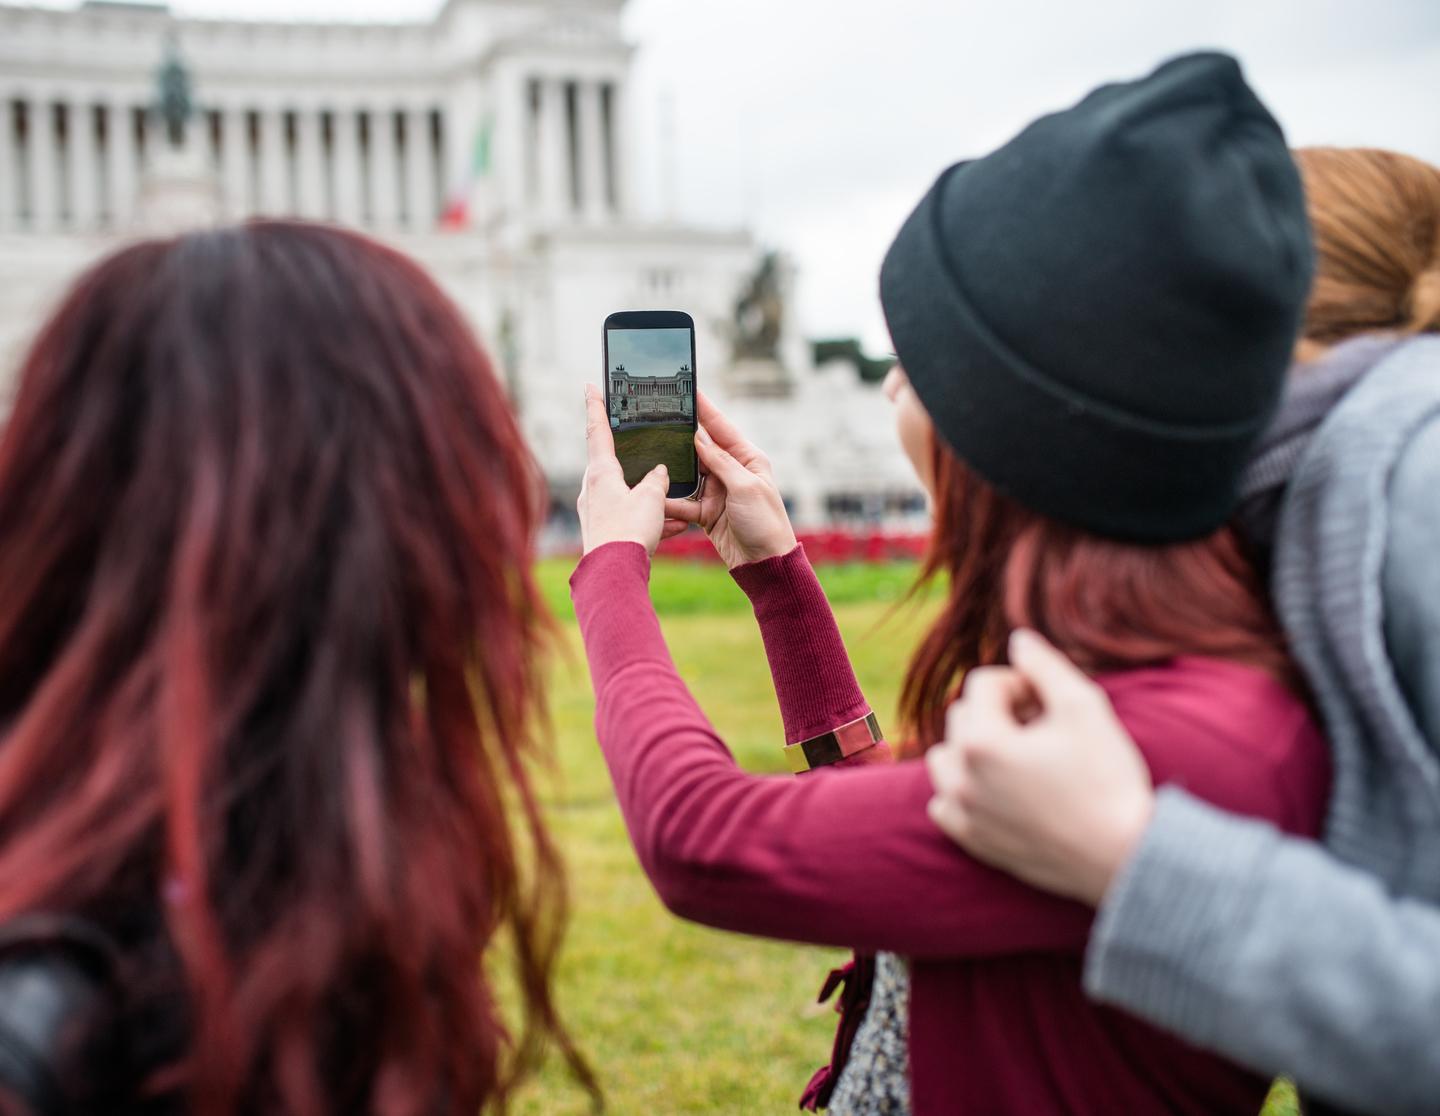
(1322, 962)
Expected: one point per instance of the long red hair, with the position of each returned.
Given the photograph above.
(270, 678)
(1108, 605)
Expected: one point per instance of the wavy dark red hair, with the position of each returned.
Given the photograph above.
(269, 674)
(1107, 604)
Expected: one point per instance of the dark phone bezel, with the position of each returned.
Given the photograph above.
(655, 319)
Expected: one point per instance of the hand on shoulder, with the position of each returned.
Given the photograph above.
(1037, 776)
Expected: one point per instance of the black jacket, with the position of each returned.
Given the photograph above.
(61, 1037)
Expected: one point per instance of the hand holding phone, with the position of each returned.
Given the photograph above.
(650, 395)
(609, 509)
(740, 507)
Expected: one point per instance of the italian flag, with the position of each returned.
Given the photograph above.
(457, 213)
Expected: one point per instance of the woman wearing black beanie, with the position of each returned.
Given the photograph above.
(1340, 940)
(1094, 323)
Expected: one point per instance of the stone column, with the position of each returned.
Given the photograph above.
(554, 153)
(121, 163)
(84, 174)
(346, 166)
(44, 181)
(310, 164)
(152, 136)
(620, 157)
(420, 169)
(235, 170)
(509, 100)
(9, 181)
(384, 171)
(592, 153)
(273, 200)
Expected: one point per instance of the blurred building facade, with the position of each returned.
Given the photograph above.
(492, 142)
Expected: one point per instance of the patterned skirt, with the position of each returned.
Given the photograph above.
(876, 1078)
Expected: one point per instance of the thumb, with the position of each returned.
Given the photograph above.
(717, 461)
(657, 479)
(1055, 678)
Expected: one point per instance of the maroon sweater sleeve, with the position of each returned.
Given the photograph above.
(838, 858)
(814, 681)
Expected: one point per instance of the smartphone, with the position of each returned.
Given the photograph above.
(650, 394)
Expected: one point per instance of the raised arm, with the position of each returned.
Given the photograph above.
(743, 514)
(814, 681)
(836, 858)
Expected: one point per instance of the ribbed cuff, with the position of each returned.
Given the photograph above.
(1167, 930)
(814, 681)
(778, 587)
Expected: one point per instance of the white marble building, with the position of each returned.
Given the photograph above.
(636, 397)
(492, 142)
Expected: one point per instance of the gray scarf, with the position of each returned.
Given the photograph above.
(1312, 391)
(1333, 580)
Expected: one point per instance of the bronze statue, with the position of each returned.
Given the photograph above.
(175, 104)
(759, 314)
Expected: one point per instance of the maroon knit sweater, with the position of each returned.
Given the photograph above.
(999, 1022)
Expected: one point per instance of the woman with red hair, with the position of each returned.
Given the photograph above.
(268, 694)
(1342, 498)
(1094, 323)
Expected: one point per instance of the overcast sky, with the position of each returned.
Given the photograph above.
(649, 352)
(819, 123)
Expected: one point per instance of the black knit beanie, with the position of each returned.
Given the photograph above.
(1098, 316)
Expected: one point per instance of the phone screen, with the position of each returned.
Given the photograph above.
(650, 394)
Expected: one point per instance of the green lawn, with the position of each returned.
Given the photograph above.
(641, 448)
(677, 1018)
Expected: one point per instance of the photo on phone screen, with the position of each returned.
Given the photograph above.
(650, 394)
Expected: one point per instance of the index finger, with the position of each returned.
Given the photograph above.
(599, 441)
(1055, 678)
(990, 697)
(725, 433)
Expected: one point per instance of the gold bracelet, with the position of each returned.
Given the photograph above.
(835, 745)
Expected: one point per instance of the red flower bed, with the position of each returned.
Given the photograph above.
(821, 546)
